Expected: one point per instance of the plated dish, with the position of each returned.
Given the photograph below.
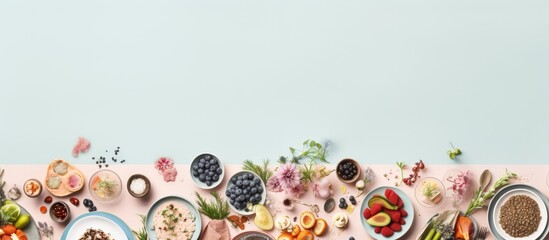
(207, 171)
(97, 221)
(518, 211)
(451, 218)
(244, 190)
(173, 218)
(30, 230)
(429, 192)
(105, 185)
(63, 178)
(253, 235)
(392, 208)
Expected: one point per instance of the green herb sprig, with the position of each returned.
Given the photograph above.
(141, 234)
(312, 150)
(216, 209)
(401, 166)
(480, 197)
(263, 171)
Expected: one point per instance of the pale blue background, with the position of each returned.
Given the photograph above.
(384, 80)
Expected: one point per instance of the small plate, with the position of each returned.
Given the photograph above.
(407, 206)
(184, 202)
(499, 203)
(263, 195)
(495, 203)
(98, 220)
(253, 235)
(421, 199)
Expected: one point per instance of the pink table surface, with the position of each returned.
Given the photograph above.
(127, 207)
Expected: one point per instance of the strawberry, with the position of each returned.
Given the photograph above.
(395, 227)
(402, 221)
(387, 232)
(377, 229)
(393, 198)
(367, 213)
(388, 192)
(376, 208)
(400, 203)
(395, 215)
(403, 212)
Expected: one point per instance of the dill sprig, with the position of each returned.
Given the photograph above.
(141, 234)
(262, 171)
(216, 209)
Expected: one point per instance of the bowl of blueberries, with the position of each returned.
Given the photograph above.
(348, 170)
(244, 190)
(207, 171)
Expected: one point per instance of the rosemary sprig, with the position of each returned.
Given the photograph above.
(216, 209)
(262, 171)
(141, 234)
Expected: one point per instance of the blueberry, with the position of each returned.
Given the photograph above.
(202, 177)
(250, 176)
(231, 201)
(237, 205)
(92, 209)
(208, 178)
(215, 178)
(88, 203)
(239, 191)
(233, 180)
(352, 198)
(254, 190)
(210, 174)
(227, 193)
(212, 168)
(195, 167)
(213, 161)
(246, 183)
(342, 200)
(207, 157)
(245, 191)
(219, 171)
(200, 170)
(239, 178)
(251, 199)
(201, 165)
(202, 160)
(259, 189)
(209, 183)
(195, 173)
(207, 165)
(233, 196)
(239, 183)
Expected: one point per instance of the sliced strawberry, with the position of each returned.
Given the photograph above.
(400, 203)
(402, 221)
(377, 229)
(367, 213)
(395, 215)
(403, 212)
(395, 227)
(376, 208)
(387, 232)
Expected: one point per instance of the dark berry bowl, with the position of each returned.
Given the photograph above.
(348, 170)
(244, 190)
(207, 171)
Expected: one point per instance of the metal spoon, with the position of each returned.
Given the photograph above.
(485, 179)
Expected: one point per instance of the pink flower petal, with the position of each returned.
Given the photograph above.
(82, 146)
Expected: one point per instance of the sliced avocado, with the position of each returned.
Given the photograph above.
(383, 202)
(381, 219)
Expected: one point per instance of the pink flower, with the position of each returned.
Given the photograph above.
(288, 175)
(169, 174)
(273, 185)
(296, 191)
(82, 146)
(323, 188)
(163, 163)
